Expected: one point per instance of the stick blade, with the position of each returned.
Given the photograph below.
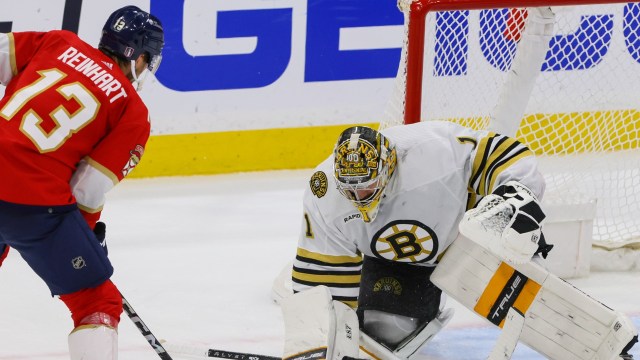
(508, 339)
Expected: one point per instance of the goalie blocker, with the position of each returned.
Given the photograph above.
(560, 321)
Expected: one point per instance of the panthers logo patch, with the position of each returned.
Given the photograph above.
(319, 184)
(406, 241)
(136, 154)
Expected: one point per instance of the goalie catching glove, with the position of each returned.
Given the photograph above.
(508, 223)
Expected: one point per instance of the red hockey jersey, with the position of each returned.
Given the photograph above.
(73, 126)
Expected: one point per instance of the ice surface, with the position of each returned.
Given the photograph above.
(196, 257)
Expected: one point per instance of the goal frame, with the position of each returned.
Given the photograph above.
(416, 33)
(580, 212)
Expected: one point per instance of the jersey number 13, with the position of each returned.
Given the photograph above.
(66, 123)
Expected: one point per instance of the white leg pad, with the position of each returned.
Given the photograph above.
(282, 286)
(93, 342)
(560, 321)
(318, 327)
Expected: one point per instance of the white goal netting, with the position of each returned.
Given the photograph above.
(565, 80)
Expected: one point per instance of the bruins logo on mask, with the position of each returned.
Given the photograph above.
(358, 162)
(318, 184)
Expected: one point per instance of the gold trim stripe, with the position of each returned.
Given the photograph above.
(88, 210)
(499, 169)
(12, 56)
(493, 289)
(306, 147)
(369, 353)
(480, 162)
(304, 354)
(103, 170)
(327, 279)
(351, 304)
(329, 259)
(238, 151)
(526, 297)
(501, 145)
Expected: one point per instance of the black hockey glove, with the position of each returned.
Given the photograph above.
(100, 230)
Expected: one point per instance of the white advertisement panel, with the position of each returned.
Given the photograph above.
(252, 65)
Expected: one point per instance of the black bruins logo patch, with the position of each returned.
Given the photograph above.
(388, 285)
(406, 241)
(318, 184)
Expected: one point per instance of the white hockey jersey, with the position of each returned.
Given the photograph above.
(442, 170)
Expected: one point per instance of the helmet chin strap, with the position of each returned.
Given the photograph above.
(138, 80)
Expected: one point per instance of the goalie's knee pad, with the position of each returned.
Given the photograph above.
(93, 342)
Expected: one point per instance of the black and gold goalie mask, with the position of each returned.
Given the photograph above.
(363, 164)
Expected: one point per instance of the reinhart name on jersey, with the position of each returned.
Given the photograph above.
(83, 64)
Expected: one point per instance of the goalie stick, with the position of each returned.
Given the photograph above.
(216, 353)
(223, 354)
(508, 339)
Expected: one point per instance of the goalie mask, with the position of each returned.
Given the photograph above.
(363, 164)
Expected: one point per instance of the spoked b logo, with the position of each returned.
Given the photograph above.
(405, 241)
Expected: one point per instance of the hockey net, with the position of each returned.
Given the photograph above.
(561, 76)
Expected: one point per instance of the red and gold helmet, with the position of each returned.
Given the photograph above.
(364, 161)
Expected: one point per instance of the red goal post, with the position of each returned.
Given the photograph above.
(561, 76)
(417, 17)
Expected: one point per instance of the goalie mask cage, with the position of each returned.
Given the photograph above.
(561, 76)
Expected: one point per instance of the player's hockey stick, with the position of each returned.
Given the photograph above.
(164, 355)
(508, 339)
(144, 330)
(216, 353)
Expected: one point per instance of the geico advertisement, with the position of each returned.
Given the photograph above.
(264, 64)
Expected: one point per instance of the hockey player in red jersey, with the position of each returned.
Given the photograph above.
(74, 126)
